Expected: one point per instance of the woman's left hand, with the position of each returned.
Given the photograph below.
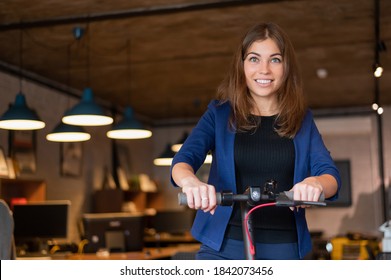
(310, 189)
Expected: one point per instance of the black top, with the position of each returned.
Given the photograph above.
(260, 156)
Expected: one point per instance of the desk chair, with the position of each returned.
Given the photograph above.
(184, 256)
(7, 244)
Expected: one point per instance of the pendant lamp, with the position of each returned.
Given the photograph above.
(87, 112)
(20, 117)
(68, 133)
(208, 159)
(165, 159)
(129, 128)
(177, 146)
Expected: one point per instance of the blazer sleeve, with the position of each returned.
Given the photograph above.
(199, 142)
(321, 161)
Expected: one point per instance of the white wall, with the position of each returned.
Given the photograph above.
(353, 138)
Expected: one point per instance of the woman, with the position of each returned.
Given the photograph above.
(258, 129)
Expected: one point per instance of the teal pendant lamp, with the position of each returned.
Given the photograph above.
(87, 112)
(68, 133)
(129, 128)
(165, 159)
(20, 117)
(177, 146)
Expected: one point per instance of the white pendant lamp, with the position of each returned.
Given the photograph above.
(68, 133)
(165, 158)
(87, 112)
(177, 146)
(129, 128)
(20, 117)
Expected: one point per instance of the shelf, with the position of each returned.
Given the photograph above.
(111, 200)
(32, 190)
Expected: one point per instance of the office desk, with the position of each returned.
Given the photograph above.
(166, 239)
(146, 254)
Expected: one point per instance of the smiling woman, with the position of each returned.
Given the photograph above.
(258, 129)
(264, 71)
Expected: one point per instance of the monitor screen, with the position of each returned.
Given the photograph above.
(345, 194)
(172, 221)
(45, 220)
(117, 232)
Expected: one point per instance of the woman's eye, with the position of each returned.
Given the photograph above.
(253, 59)
(276, 60)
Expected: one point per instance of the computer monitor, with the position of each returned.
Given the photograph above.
(172, 221)
(345, 194)
(38, 222)
(117, 232)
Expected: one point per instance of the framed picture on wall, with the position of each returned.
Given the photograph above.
(4, 172)
(124, 159)
(71, 159)
(123, 166)
(22, 146)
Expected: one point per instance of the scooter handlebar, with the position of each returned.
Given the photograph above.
(283, 199)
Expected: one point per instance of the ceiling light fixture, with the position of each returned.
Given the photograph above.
(20, 117)
(87, 112)
(176, 147)
(378, 71)
(208, 159)
(129, 128)
(68, 133)
(322, 73)
(165, 158)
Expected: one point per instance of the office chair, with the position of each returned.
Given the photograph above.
(184, 256)
(7, 243)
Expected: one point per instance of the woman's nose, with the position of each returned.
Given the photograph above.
(263, 67)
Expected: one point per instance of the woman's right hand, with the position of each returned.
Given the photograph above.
(199, 195)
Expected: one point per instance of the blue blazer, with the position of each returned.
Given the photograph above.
(212, 133)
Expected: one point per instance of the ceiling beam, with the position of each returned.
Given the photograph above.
(137, 12)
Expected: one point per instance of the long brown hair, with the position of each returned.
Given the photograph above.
(290, 97)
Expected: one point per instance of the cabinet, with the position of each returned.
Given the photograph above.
(113, 200)
(144, 200)
(31, 190)
(107, 201)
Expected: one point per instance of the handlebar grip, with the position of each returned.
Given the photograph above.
(289, 194)
(182, 198)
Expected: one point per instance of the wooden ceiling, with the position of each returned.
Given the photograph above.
(166, 58)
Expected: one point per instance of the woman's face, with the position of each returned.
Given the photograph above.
(263, 68)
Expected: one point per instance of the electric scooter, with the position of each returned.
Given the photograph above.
(253, 198)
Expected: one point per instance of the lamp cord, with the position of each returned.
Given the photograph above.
(20, 59)
(128, 70)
